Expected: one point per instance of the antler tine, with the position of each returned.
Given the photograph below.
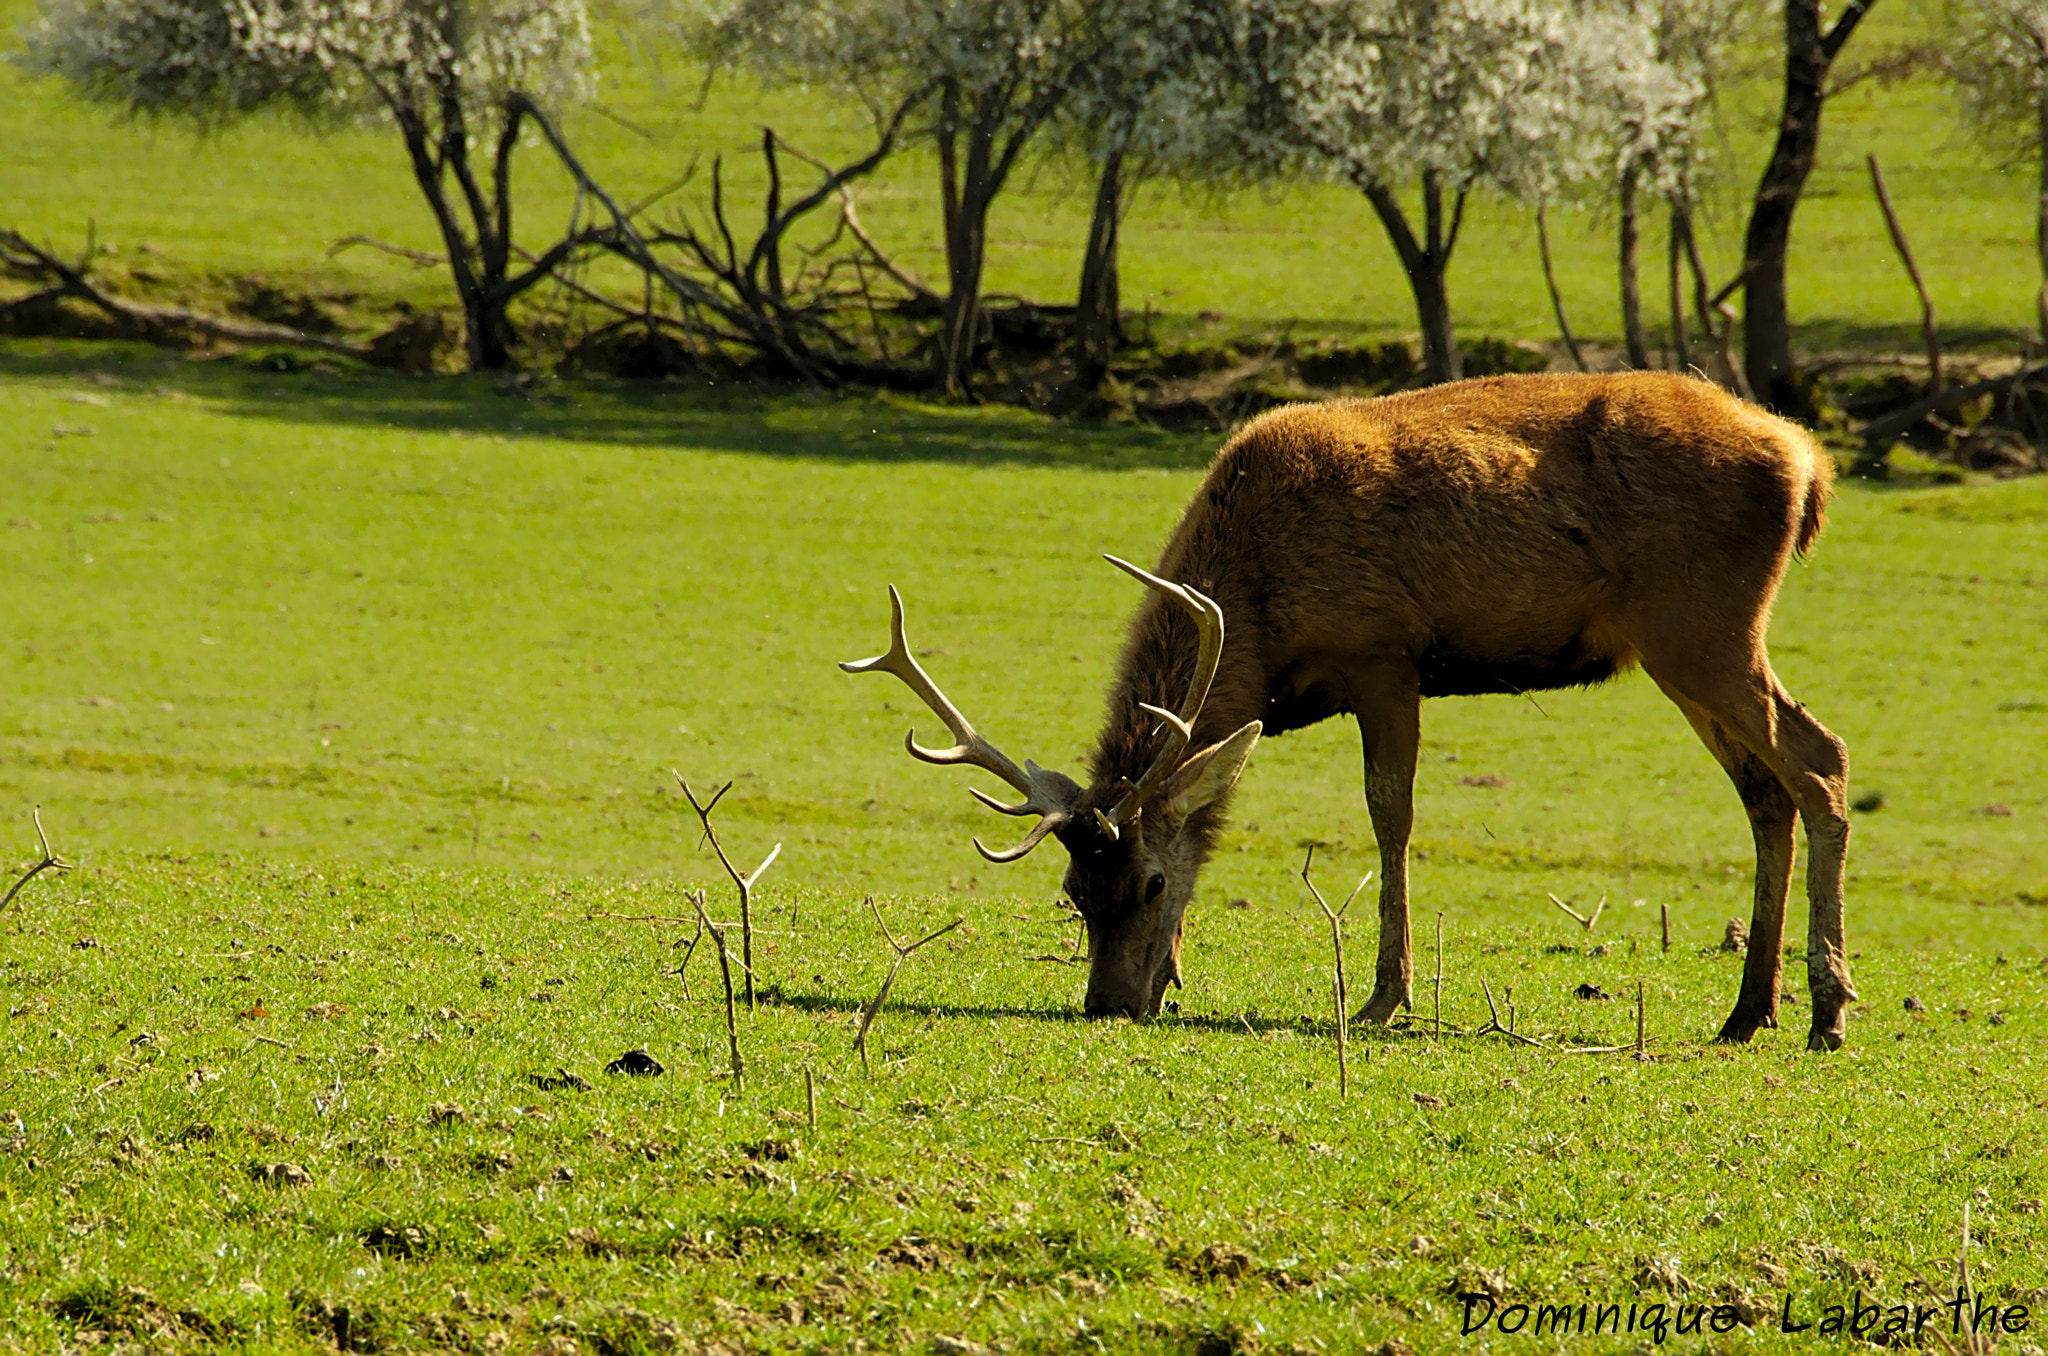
(1209, 623)
(1031, 840)
(1041, 790)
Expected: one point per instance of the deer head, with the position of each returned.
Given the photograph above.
(1133, 856)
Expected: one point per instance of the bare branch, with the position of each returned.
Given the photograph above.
(1584, 921)
(743, 883)
(903, 953)
(1339, 988)
(50, 861)
(732, 1031)
(417, 258)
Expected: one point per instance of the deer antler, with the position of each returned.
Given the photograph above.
(1048, 795)
(1209, 621)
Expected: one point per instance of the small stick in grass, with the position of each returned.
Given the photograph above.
(810, 1098)
(1340, 990)
(1640, 1052)
(1584, 921)
(50, 861)
(1439, 973)
(1664, 916)
(732, 1026)
(745, 884)
(903, 953)
(1493, 1023)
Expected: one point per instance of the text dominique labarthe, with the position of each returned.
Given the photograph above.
(1858, 1318)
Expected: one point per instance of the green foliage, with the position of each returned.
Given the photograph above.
(304, 662)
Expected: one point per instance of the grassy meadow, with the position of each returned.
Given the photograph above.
(355, 698)
(211, 217)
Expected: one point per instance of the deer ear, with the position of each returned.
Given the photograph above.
(1210, 773)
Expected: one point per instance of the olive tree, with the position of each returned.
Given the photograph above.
(456, 78)
(1420, 103)
(1996, 54)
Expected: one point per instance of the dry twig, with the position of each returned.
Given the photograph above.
(1898, 234)
(1340, 991)
(732, 1028)
(50, 861)
(744, 883)
(903, 953)
(1584, 921)
(1439, 1019)
(1493, 1019)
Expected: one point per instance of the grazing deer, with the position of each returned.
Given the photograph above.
(1502, 535)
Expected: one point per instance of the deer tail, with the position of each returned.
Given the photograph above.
(1820, 487)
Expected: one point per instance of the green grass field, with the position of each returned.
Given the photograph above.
(264, 202)
(355, 698)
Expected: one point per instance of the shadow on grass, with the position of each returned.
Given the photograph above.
(837, 426)
(820, 1003)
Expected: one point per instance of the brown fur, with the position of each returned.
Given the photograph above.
(1502, 535)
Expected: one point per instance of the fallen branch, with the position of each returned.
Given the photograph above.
(28, 260)
(903, 953)
(1493, 1025)
(1879, 431)
(744, 883)
(417, 258)
(50, 861)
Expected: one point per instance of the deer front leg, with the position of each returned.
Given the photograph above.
(1389, 719)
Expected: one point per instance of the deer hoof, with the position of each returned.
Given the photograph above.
(1738, 1029)
(1744, 1023)
(1824, 1040)
(1381, 1007)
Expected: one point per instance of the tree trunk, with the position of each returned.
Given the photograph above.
(965, 194)
(1631, 280)
(487, 329)
(2041, 224)
(1441, 359)
(1681, 352)
(1426, 262)
(1095, 315)
(960, 317)
(1564, 326)
(1766, 322)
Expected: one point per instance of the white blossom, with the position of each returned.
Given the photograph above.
(1511, 94)
(1996, 55)
(214, 59)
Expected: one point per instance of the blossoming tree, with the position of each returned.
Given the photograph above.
(450, 75)
(986, 76)
(1441, 97)
(1996, 54)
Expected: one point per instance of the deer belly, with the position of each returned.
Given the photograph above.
(1447, 670)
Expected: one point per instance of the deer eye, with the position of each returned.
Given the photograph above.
(1154, 886)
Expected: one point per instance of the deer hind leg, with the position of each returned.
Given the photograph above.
(1390, 721)
(1813, 765)
(1771, 818)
